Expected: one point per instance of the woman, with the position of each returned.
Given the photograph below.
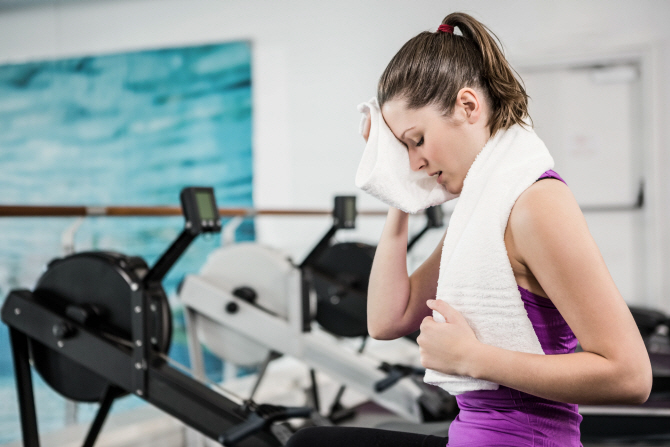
(444, 96)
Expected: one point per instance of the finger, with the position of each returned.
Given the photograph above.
(425, 323)
(450, 314)
(439, 312)
(366, 128)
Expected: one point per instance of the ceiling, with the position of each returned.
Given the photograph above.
(17, 4)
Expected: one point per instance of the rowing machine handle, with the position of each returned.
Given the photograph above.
(259, 419)
(395, 373)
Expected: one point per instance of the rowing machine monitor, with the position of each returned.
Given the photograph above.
(344, 213)
(200, 210)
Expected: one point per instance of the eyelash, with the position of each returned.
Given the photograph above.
(420, 143)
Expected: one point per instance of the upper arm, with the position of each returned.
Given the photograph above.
(552, 240)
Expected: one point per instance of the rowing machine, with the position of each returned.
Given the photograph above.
(97, 326)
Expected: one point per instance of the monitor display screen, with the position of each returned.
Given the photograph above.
(350, 210)
(205, 206)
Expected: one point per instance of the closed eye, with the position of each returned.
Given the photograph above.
(420, 143)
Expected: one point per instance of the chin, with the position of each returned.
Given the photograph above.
(453, 189)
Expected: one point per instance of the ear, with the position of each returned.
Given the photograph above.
(470, 103)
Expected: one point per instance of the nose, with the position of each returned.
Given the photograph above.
(416, 160)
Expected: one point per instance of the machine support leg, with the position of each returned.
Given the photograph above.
(315, 390)
(24, 386)
(337, 402)
(103, 411)
(272, 355)
(337, 410)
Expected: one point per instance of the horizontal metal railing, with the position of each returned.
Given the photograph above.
(126, 211)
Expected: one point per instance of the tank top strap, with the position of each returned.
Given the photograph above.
(551, 174)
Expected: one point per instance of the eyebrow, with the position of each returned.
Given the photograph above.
(402, 137)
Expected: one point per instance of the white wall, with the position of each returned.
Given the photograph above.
(315, 61)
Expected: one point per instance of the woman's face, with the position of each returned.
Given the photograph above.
(444, 147)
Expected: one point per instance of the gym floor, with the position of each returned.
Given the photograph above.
(149, 427)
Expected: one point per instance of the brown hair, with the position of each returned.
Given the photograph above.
(431, 68)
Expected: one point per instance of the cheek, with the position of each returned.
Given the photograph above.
(454, 161)
(444, 159)
(435, 152)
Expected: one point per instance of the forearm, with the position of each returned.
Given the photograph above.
(388, 288)
(582, 378)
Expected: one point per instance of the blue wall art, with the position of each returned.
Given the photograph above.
(119, 129)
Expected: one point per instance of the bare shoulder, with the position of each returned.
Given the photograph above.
(546, 211)
(546, 224)
(545, 206)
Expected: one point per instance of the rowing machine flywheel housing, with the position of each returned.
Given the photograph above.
(271, 279)
(94, 288)
(341, 276)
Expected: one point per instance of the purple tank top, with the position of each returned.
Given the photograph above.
(507, 417)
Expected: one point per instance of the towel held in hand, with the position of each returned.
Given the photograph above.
(384, 170)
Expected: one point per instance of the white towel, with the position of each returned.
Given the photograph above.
(476, 277)
(384, 171)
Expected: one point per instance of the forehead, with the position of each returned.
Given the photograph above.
(400, 118)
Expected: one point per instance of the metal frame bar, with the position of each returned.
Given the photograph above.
(111, 394)
(166, 388)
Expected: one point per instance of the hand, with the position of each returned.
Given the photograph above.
(446, 347)
(366, 128)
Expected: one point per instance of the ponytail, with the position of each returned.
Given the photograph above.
(431, 68)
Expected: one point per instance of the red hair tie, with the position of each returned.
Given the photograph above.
(446, 29)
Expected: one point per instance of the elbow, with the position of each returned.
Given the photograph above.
(637, 393)
(380, 331)
(641, 392)
(379, 335)
(636, 386)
